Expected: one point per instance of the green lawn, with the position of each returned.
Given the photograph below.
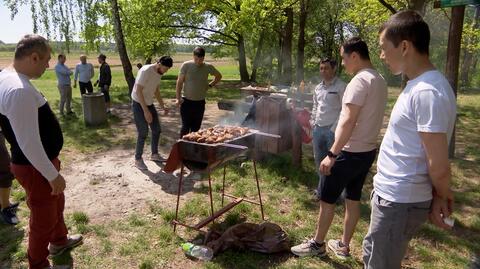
(147, 241)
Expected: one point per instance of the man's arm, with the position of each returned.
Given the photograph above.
(342, 135)
(436, 150)
(63, 70)
(314, 107)
(159, 98)
(148, 116)
(180, 81)
(217, 77)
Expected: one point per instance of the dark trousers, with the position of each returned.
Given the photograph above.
(85, 87)
(142, 128)
(46, 214)
(192, 115)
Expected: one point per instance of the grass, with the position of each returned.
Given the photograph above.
(147, 240)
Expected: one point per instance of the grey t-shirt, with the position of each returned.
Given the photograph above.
(196, 79)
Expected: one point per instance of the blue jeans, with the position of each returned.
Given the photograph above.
(142, 128)
(323, 139)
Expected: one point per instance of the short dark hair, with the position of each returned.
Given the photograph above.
(165, 61)
(30, 44)
(332, 62)
(356, 44)
(199, 52)
(61, 56)
(102, 56)
(408, 25)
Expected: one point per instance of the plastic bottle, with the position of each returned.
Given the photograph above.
(203, 253)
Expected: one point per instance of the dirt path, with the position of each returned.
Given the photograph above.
(107, 186)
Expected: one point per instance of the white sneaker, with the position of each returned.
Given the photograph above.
(186, 172)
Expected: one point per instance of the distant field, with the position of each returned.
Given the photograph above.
(228, 65)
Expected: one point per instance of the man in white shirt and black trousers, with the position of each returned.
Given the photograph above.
(36, 140)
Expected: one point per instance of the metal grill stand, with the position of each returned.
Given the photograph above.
(215, 214)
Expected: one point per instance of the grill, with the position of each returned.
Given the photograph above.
(201, 156)
(206, 157)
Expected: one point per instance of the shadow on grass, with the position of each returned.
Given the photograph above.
(11, 238)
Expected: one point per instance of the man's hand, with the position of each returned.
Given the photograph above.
(58, 185)
(165, 111)
(96, 83)
(178, 102)
(75, 84)
(148, 116)
(326, 165)
(441, 208)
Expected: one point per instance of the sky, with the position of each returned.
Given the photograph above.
(12, 31)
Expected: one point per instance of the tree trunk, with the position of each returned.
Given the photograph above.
(242, 59)
(468, 56)
(122, 49)
(287, 48)
(453, 55)
(301, 40)
(279, 56)
(258, 57)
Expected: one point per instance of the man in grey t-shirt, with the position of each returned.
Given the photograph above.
(193, 80)
(327, 104)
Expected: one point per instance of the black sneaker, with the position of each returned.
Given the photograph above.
(9, 214)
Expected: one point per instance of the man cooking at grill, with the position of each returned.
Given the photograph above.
(146, 88)
(193, 80)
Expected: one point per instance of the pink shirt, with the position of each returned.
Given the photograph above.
(368, 90)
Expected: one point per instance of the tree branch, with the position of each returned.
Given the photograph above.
(388, 6)
(206, 38)
(201, 28)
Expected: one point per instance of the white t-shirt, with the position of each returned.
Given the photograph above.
(427, 104)
(149, 78)
(19, 102)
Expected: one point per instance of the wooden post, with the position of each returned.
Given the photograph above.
(453, 57)
(296, 141)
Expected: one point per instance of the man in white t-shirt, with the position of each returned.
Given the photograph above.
(352, 154)
(147, 86)
(413, 170)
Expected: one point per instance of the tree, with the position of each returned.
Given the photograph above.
(471, 47)
(301, 40)
(60, 18)
(122, 49)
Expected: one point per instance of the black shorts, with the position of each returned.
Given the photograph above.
(349, 173)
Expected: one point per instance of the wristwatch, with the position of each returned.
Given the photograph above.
(331, 155)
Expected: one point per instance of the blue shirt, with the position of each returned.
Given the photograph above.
(84, 72)
(63, 74)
